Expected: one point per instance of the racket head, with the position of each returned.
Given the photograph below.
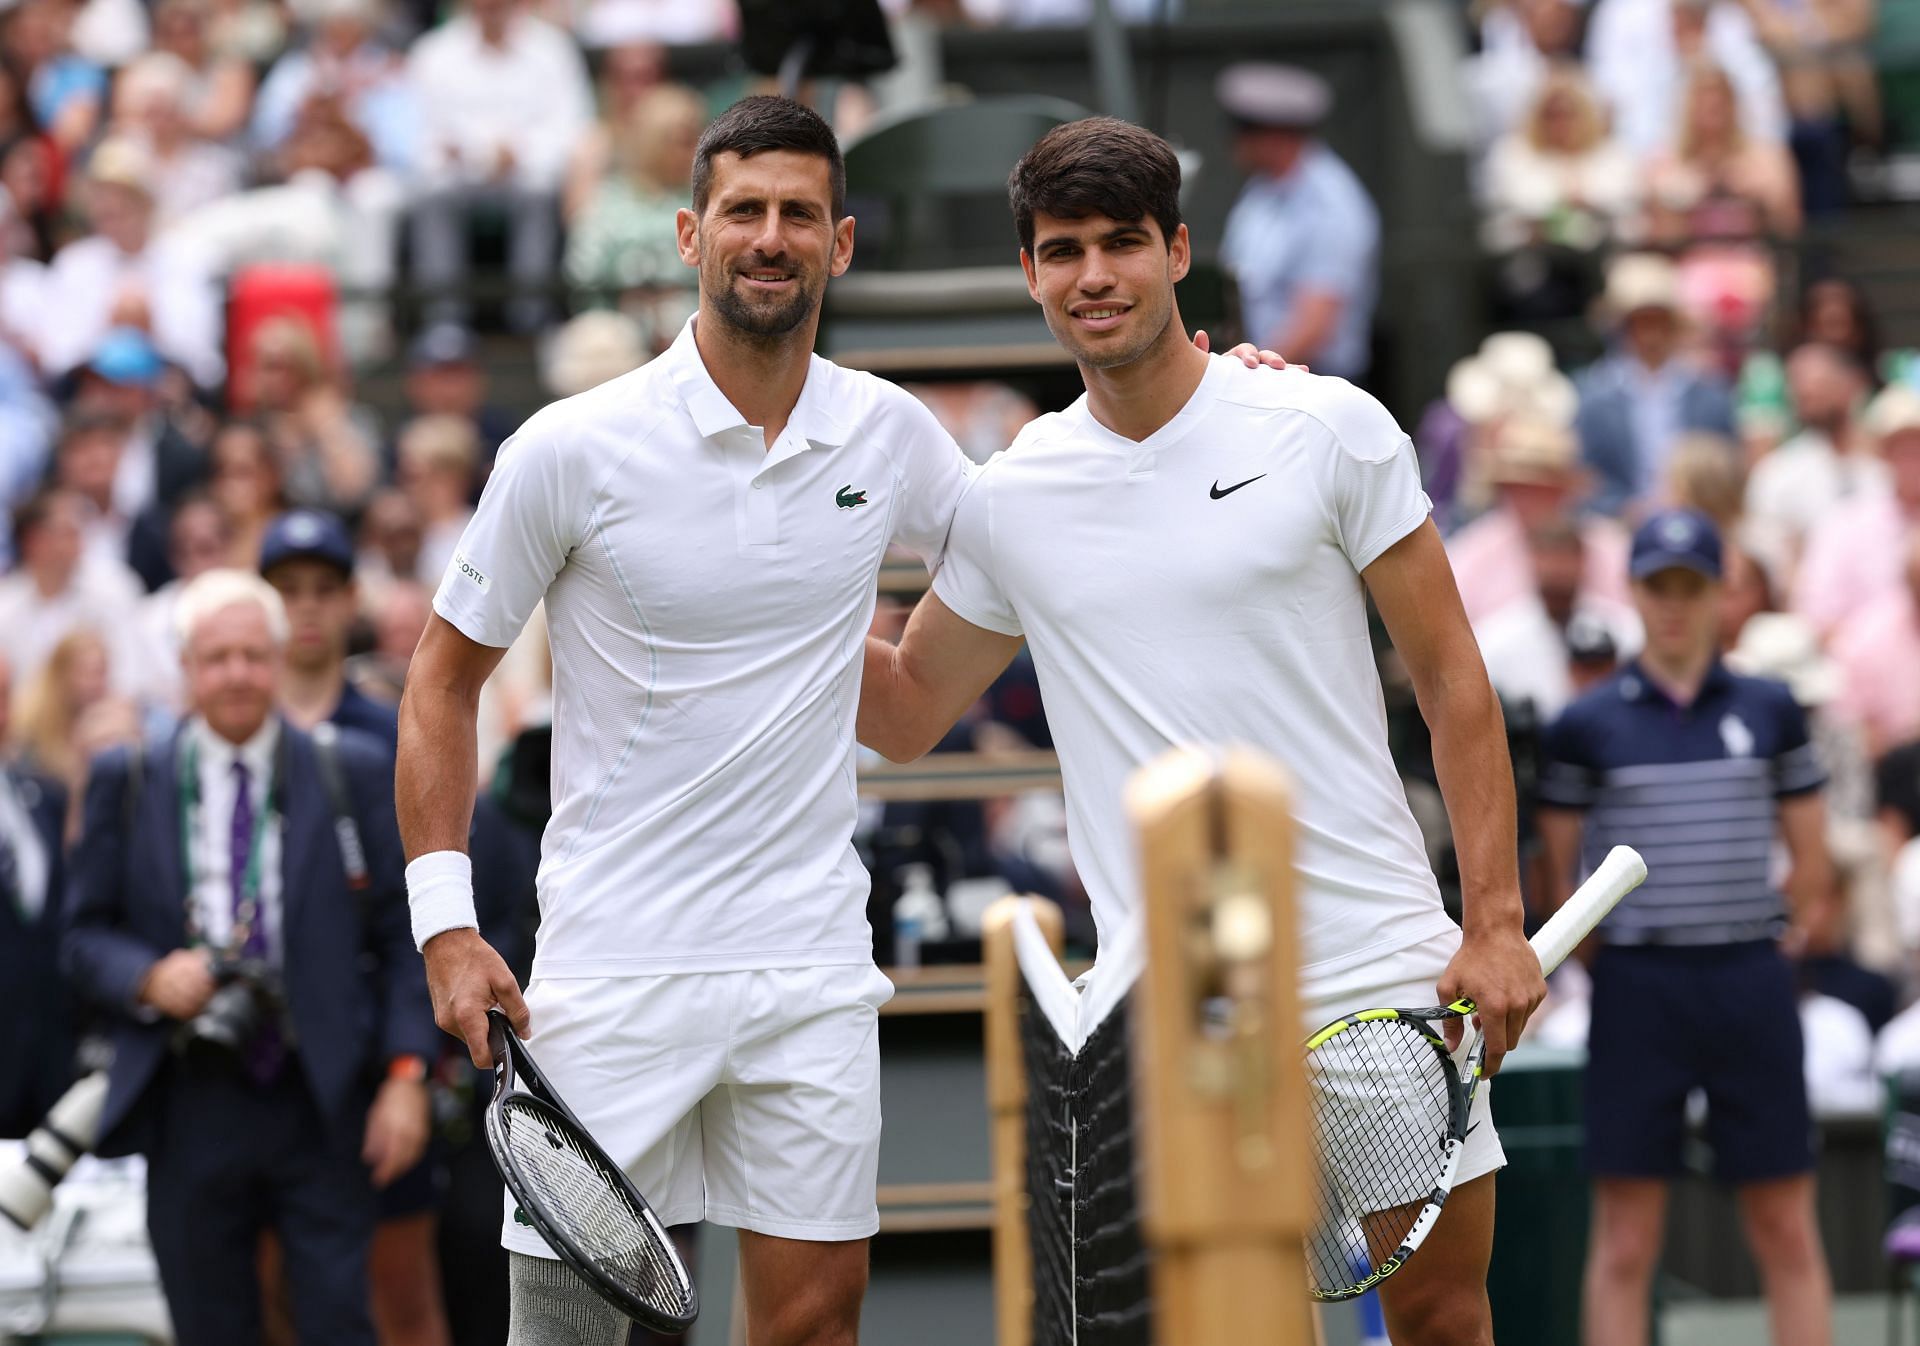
(582, 1203)
(1390, 1117)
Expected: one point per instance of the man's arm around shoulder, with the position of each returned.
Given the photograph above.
(913, 693)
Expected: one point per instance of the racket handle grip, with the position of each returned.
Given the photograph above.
(1619, 874)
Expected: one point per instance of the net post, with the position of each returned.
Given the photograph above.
(1006, 1109)
(1225, 1195)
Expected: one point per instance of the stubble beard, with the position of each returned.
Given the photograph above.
(762, 322)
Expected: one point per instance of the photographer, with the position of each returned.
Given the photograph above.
(272, 1014)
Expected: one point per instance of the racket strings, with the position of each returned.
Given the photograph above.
(574, 1190)
(1382, 1113)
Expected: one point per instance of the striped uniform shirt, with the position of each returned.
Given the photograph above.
(1695, 789)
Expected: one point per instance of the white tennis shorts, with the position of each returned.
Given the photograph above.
(1405, 980)
(750, 1099)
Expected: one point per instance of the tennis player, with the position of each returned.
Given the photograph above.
(706, 533)
(1189, 551)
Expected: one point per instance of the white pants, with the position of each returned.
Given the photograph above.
(750, 1099)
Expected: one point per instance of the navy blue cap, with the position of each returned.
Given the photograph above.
(307, 534)
(1685, 538)
(444, 343)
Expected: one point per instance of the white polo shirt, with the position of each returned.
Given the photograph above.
(1203, 587)
(707, 601)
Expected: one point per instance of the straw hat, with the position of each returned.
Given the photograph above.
(1512, 374)
(592, 348)
(1532, 452)
(1640, 280)
(1894, 410)
(1784, 647)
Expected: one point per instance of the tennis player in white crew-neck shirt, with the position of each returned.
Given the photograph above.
(1188, 550)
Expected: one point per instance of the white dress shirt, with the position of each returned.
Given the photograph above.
(88, 276)
(31, 863)
(211, 832)
(531, 94)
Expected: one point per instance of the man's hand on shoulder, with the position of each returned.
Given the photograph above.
(466, 978)
(1248, 354)
(1498, 970)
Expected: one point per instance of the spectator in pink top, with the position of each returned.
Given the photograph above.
(1534, 468)
(1854, 555)
(1878, 650)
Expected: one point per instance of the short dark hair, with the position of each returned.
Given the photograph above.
(1096, 166)
(32, 514)
(768, 122)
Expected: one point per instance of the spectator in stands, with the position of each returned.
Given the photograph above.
(1706, 474)
(1690, 960)
(1520, 41)
(125, 276)
(87, 463)
(1646, 392)
(1717, 197)
(245, 484)
(504, 98)
(614, 23)
(389, 543)
(1853, 553)
(307, 556)
(21, 279)
(1303, 238)
(1512, 375)
(1878, 650)
(280, 1128)
(324, 445)
(1834, 312)
(199, 539)
(1746, 591)
(31, 173)
(1557, 189)
(1528, 644)
(1639, 52)
(438, 458)
(344, 62)
(622, 243)
(1830, 461)
(220, 84)
(399, 616)
(1831, 89)
(57, 587)
(37, 1034)
(77, 675)
(628, 72)
(150, 109)
(591, 348)
(1535, 471)
(66, 91)
(445, 378)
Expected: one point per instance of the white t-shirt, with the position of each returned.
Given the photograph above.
(1203, 587)
(707, 602)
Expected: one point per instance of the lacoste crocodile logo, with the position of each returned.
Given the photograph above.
(848, 498)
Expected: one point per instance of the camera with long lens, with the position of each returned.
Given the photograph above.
(248, 999)
(68, 1131)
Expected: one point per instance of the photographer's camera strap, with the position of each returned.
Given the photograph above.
(353, 856)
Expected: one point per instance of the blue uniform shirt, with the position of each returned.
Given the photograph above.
(376, 719)
(1694, 789)
(1315, 229)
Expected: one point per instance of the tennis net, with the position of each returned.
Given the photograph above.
(1089, 1264)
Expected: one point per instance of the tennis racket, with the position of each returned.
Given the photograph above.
(1390, 1107)
(580, 1201)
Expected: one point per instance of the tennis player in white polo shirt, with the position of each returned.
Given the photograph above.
(1188, 549)
(706, 532)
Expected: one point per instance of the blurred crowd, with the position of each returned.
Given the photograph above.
(1644, 169)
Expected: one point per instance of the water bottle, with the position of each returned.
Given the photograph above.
(918, 915)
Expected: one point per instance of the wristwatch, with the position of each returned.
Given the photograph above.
(410, 1068)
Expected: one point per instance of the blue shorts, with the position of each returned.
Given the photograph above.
(1668, 1020)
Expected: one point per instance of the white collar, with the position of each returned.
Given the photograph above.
(219, 754)
(712, 413)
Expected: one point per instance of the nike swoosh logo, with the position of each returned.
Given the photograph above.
(1218, 494)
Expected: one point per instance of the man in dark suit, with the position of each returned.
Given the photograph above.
(216, 847)
(37, 1032)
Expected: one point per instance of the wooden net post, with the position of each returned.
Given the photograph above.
(1007, 1112)
(1219, 1087)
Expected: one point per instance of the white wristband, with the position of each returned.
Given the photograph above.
(440, 895)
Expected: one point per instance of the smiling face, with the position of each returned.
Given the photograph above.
(1105, 285)
(766, 241)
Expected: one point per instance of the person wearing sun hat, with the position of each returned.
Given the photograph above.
(1855, 553)
(1646, 391)
(1702, 769)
